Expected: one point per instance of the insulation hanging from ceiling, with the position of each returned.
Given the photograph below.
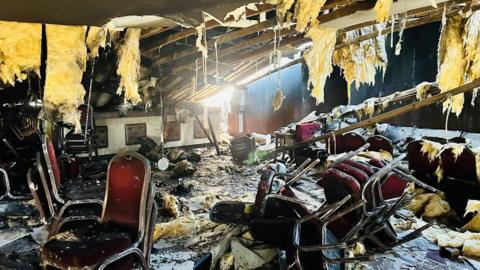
(471, 39)
(318, 58)
(129, 65)
(96, 39)
(66, 62)
(20, 50)
(281, 6)
(361, 60)
(306, 11)
(452, 63)
(382, 10)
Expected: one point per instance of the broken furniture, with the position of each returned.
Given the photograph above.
(13, 167)
(84, 141)
(126, 229)
(362, 193)
(283, 139)
(450, 167)
(56, 215)
(67, 189)
(242, 148)
(59, 201)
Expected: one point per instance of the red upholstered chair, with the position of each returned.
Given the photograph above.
(55, 214)
(345, 143)
(359, 175)
(462, 167)
(73, 190)
(126, 223)
(418, 161)
(379, 142)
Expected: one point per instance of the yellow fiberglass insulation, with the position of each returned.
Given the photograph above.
(129, 65)
(452, 63)
(66, 62)
(96, 39)
(445, 237)
(471, 248)
(473, 207)
(20, 50)
(319, 58)
(422, 90)
(306, 11)
(282, 7)
(429, 205)
(431, 149)
(185, 226)
(471, 39)
(278, 100)
(382, 10)
(360, 61)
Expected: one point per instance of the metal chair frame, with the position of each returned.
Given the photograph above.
(146, 219)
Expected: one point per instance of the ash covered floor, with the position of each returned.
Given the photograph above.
(188, 236)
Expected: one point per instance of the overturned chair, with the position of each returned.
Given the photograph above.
(360, 198)
(126, 226)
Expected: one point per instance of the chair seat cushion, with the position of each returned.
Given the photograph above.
(84, 247)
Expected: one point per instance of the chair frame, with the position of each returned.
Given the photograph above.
(57, 221)
(146, 219)
(8, 193)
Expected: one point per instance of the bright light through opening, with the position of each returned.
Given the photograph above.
(221, 98)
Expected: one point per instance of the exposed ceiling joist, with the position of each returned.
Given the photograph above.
(192, 31)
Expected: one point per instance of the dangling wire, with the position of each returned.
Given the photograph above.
(449, 110)
(88, 99)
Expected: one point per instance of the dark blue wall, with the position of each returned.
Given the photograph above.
(416, 63)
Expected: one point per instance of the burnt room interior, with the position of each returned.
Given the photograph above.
(225, 135)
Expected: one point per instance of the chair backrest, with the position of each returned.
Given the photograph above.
(379, 142)
(462, 166)
(128, 180)
(345, 143)
(49, 161)
(418, 161)
(48, 168)
(40, 191)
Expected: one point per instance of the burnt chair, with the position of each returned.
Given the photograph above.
(126, 228)
(367, 212)
(62, 190)
(420, 164)
(5, 189)
(345, 143)
(83, 142)
(380, 143)
(460, 177)
(13, 184)
(55, 216)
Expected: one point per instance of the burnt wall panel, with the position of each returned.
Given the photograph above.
(418, 63)
(259, 114)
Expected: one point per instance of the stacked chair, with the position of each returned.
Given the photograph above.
(113, 233)
(83, 142)
(361, 196)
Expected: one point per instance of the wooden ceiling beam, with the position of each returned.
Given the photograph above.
(261, 8)
(230, 36)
